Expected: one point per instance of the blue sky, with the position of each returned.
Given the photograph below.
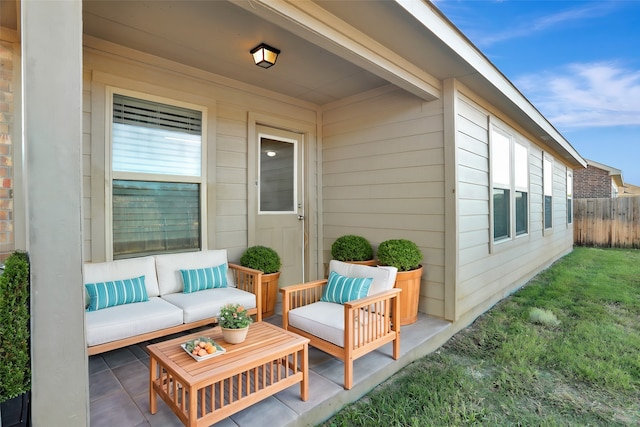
(578, 62)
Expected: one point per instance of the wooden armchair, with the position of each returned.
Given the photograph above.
(371, 321)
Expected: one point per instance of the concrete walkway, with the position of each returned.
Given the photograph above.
(119, 384)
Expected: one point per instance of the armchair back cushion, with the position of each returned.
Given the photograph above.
(168, 268)
(343, 289)
(384, 278)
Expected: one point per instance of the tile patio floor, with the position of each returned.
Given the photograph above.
(119, 384)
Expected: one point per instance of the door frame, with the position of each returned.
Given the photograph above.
(312, 262)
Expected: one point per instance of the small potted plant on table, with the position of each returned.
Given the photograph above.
(268, 261)
(406, 257)
(234, 322)
(354, 249)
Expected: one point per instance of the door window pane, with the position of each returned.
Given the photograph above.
(155, 217)
(277, 176)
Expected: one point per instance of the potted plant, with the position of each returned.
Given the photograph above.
(406, 257)
(234, 321)
(268, 261)
(354, 249)
(15, 363)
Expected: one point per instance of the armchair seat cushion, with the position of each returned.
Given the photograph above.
(325, 320)
(322, 319)
(207, 303)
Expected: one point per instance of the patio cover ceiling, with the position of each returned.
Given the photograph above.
(330, 49)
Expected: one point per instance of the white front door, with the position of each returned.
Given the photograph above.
(279, 216)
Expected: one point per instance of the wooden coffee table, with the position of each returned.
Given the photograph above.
(204, 392)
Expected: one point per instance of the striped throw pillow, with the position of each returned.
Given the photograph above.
(341, 289)
(200, 279)
(116, 292)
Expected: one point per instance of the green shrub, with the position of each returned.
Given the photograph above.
(261, 258)
(351, 248)
(400, 253)
(15, 365)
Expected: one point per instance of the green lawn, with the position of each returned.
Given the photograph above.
(562, 351)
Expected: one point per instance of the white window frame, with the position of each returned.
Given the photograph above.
(569, 182)
(112, 175)
(511, 187)
(547, 190)
(295, 144)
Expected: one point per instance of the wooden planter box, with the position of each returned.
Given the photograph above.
(409, 282)
(269, 293)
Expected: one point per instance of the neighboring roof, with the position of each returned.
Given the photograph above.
(629, 191)
(615, 174)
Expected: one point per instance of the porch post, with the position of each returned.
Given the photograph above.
(52, 126)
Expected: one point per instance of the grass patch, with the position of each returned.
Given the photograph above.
(564, 350)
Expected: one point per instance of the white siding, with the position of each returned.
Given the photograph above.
(487, 273)
(383, 178)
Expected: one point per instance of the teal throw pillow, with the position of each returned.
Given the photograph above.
(341, 289)
(116, 292)
(200, 279)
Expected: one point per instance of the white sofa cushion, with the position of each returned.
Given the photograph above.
(207, 303)
(168, 268)
(384, 278)
(124, 321)
(124, 269)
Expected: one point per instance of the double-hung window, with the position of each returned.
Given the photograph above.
(521, 185)
(501, 172)
(510, 186)
(157, 177)
(547, 183)
(569, 196)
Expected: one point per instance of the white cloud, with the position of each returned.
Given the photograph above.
(585, 95)
(543, 23)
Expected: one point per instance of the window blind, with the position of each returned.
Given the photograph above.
(150, 137)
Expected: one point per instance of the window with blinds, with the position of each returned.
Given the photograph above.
(547, 184)
(510, 181)
(161, 213)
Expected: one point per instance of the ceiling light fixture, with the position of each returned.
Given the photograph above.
(271, 153)
(264, 55)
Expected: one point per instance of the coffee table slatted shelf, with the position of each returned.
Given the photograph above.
(268, 361)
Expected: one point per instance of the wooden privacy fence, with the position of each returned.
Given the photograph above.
(612, 223)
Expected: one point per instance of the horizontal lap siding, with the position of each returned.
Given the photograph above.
(484, 276)
(86, 164)
(383, 178)
(231, 178)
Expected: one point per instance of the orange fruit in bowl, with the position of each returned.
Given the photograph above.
(211, 349)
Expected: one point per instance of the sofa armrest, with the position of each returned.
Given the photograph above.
(295, 296)
(249, 280)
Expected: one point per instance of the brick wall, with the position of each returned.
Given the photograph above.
(7, 244)
(591, 183)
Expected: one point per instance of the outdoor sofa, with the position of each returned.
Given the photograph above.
(181, 291)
